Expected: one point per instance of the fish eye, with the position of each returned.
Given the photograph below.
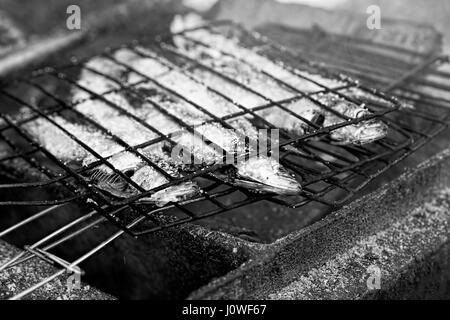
(318, 119)
(129, 173)
(362, 113)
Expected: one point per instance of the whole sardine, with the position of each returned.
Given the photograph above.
(102, 176)
(226, 55)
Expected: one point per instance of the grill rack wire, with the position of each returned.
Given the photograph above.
(128, 216)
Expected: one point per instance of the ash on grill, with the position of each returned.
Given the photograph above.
(327, 150)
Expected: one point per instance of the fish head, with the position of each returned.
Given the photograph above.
(370, 131)
(360, 133)
(143, 175)
(105, 178)
(265, 174)
(149, 178)
(176, 193)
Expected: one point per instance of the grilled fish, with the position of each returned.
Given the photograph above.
(367, 97)
(257, 77)
(259, 173)
(102, 176)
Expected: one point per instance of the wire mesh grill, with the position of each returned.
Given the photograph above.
(329, 173)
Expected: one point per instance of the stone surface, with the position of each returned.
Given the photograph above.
(402, 229)
(18, 278)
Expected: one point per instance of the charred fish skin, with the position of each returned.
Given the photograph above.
(221, 50)
(144, 177)
(134, 133)
(63, 146)
(368, 97)
(367, 132)
(360, 133)
(221, 107)
(129, 131)
(102, 176)
(227, 51)
(226, 139)
(252, 174)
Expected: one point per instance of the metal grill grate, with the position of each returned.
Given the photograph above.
(330, 174)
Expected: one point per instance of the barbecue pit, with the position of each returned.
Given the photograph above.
(332, 176)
